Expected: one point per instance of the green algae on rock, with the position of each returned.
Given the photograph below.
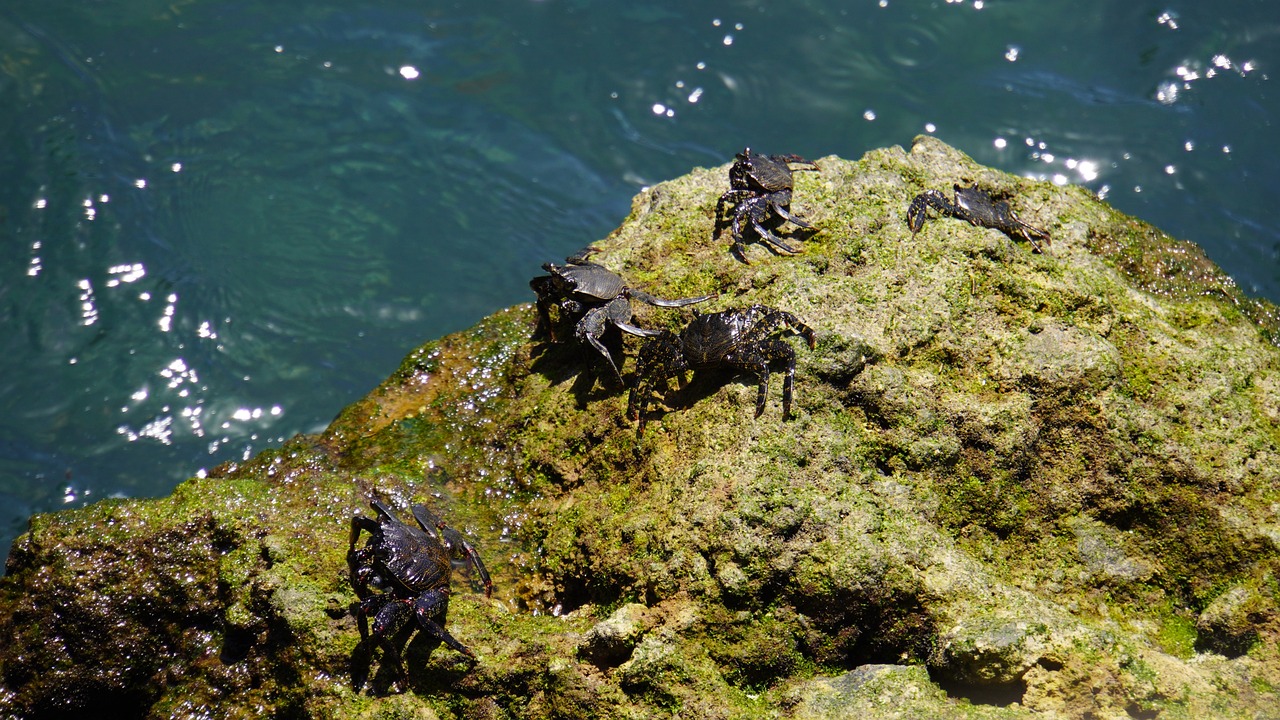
(1016, 485)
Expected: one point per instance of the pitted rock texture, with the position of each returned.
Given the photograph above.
(1016, 485)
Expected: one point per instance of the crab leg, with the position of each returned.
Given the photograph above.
(590, 328)
(646, 298)
(793, 159)
(781, 210)
(772, 239)
(919, 208)
(638, 331)
(453, 541)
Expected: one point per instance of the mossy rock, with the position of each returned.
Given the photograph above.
(1015, 484)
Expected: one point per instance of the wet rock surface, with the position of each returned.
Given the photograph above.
(1016, 484)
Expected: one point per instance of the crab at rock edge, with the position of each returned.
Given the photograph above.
(594, 298)
(411, 567)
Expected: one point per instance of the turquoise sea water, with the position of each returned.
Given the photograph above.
(222, 222)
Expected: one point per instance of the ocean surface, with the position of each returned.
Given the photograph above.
(224, 221)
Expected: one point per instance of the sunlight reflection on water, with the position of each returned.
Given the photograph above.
(235, 225)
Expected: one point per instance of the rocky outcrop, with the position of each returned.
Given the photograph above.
(1016, 484)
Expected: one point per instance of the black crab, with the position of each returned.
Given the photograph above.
(977, 207)
(411, 567)
(760, 188)
(595, 298)
(747, 339)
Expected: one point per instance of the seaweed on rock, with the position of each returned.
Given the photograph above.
(1015, 484)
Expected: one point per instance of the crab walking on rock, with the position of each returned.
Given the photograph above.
(760, 188)
(595, 298)
(748, 339)
(977, 207)
(411, 567)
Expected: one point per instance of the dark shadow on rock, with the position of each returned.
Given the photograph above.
(592, 377)
(702, 385)
(878, 623)
(237, 643)
(434, 680)
(994, 694)
(386, 679)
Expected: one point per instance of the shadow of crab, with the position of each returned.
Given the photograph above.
(592, 378)
(701, 386)
(417, 650)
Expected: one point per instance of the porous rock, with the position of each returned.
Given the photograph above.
(1016, 484)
